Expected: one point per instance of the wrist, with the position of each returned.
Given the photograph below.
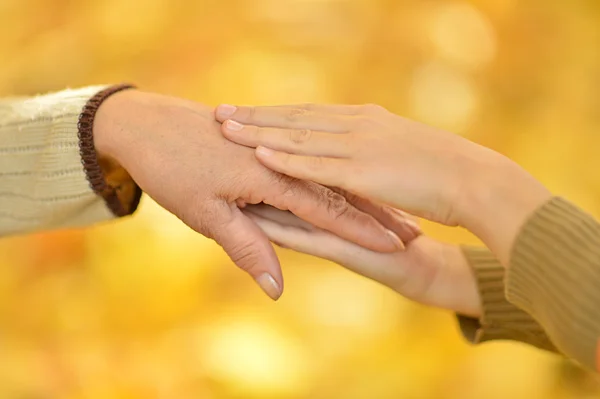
(98, 145)
(498, 198)
(110, 137)
(450, 285)
(467, 300)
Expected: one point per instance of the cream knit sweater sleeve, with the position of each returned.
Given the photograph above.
(42, 181)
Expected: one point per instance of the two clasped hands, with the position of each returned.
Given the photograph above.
(339, 182)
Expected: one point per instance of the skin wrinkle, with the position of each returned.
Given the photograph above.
(245, 254)
(337, 204)
(300, 136)
(252, 114)
(296, 113)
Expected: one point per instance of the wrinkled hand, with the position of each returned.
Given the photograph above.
(174, 151)
(428, 272)
(363, 149)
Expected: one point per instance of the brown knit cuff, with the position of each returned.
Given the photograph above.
(500, 320)
(94, 170)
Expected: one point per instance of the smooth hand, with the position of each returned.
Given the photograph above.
(371, 152)
(428, 272)
(175, 152)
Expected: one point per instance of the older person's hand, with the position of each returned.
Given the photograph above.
(174, 151)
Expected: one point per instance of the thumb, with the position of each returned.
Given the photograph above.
(248, 247)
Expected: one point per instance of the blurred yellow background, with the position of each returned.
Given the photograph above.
(145, 308)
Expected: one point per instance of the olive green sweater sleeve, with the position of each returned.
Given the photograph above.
(501, 320)
(554, 275)
(550, 295)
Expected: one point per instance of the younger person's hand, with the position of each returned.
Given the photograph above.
(363, 149)
(428, 272)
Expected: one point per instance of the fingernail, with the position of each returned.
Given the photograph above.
(414, 226)
(224, 111)
(396, 240)
(268, 284)
(234, 126)
(267, 152)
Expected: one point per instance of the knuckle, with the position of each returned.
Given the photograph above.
(286, 187)
(259, 133)
(251, 114)
(296, 113)
(245, 256)
(315, 163)
(350, 197)
(337, 204)
(300, 136)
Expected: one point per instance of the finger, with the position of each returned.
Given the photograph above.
(285, 218)
(406, 215)
(293, 141)
(389, 217)
(397, 221)
(326, 171)
(330, 211)
(384, 268)
(248, 248)
(323, 170)
(294, 118)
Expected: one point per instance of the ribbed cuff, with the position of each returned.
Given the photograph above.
(97, 169)
(555, 276)
(500, 319)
